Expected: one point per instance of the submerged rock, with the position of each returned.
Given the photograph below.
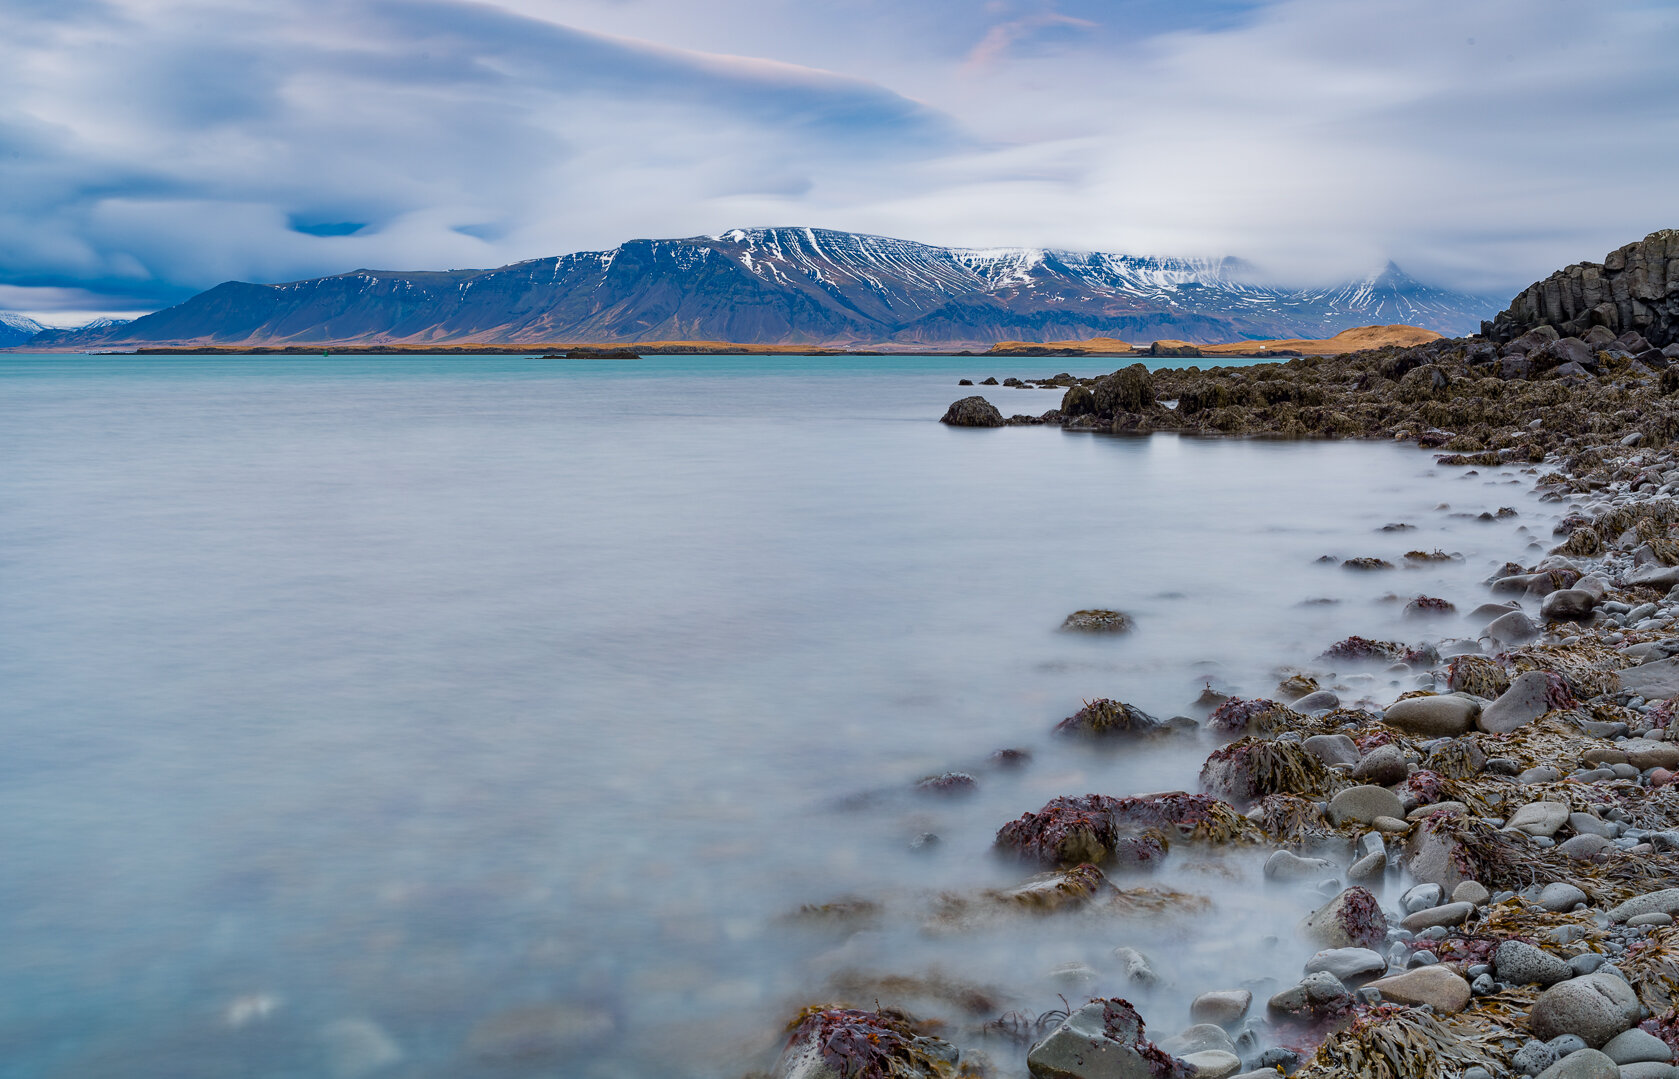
(845, 1043)
(1070, 831)
(1097, 620)
(1104, 718)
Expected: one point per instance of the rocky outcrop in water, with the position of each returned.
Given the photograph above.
(1635, 288)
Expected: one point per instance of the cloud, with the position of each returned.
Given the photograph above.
(1004, 38)
(151, 148)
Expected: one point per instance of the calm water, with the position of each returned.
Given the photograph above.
(442, 717)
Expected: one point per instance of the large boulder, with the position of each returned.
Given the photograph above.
(1595, 1007)
(972, 412)
(1105, 1039)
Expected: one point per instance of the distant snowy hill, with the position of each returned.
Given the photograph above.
(17, 329)
(88, 335)
(796, 285)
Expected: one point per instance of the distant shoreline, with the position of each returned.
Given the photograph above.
(1352, 340)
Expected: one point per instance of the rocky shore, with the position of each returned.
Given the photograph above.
(1492, 857)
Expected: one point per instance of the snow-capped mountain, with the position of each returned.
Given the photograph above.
(87, 335)
(17, 329)
(799, 285)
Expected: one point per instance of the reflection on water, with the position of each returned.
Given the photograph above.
(453, 718)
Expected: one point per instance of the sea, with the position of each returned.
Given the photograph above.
(429, 717)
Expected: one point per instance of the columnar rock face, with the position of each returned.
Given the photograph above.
(1636, 288)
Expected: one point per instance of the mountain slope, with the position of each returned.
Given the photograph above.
(798, 285)
(17, 329)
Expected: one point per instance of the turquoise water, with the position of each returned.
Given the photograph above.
(433, 717)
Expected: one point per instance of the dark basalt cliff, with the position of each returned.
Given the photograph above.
(1635, 288)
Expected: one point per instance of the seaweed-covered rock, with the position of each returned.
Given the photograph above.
(1363, 649)
(973, 412)
(1352, 919)
(1252, 768)
(1104, 718)
(1482, 676)
(1067, 831)
(1104, 1039)
(1097, 620)
(1238, 716)
(1191, 817)
(845, 1043)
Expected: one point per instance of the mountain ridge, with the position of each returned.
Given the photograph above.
(795, 285)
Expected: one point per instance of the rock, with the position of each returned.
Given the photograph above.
(1348, 964)
(1435, 986)
(1586, 963)
(1198, 1039)
(1533, 1058)
(1421, 897)
(1332, 749)
(1654, 576)
(1643, 753)
(1526, 700)
(1104, 718)
(1436, 716)
(1251, 768)
(1434, 855)
(1568, 604)
(359, 1047)
(1447, 915)
(1097, 620)
(1370, 867)
(1471, 891)
(1317, 701)
(1353, 919)
(1562, 897)
(1520, 964)
(1587, 848)
(1213, 1064)
(1138, 970)
(1364, 804)
(1649, 1070)
(1653, 680)
(1585, 1064)
(1384, 766)
(1596, 1007)
(973, 412)
(1666, 901)
(1317, 996)
(1104, 1039)
(1286, 865)
(1226, 1007)
(1655, 917)
(1637, 1047)
(1538, 818)
(1070, 832)
(1512, 629)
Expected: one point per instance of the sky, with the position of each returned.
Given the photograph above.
(150, 149)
